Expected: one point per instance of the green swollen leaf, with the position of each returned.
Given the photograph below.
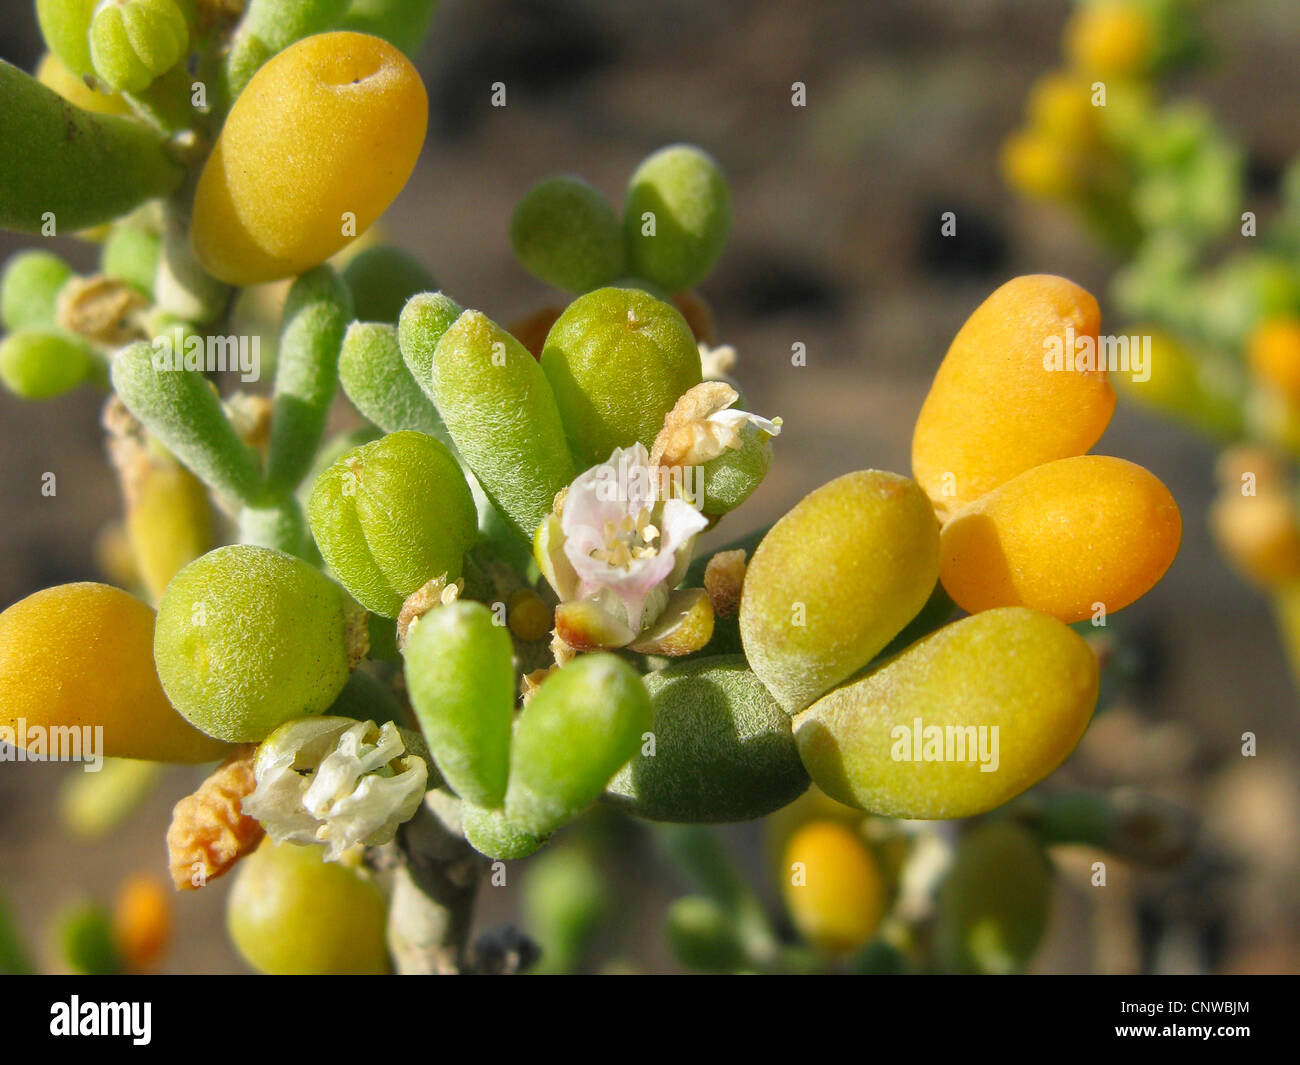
(376, 380)
(85, 938)
(501, 413)
(420, 326)
(184, 412)
(381, 280)
(677, 217)
(617, 360)
(461, 679)
(391, 516)
(566, 234)
(993, 904)
(29, 289)
(566, 898)
(268, 27)
(581, 725)
(316, 313)
(65, 25)
(93, 804)
(403, 23)
(131, 253)
(42, 364)
(723, 748)
(67, 169)
(703, 935)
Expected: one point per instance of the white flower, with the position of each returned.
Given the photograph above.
(623, 539)
(335, 781)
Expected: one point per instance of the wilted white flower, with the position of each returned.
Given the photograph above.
(703, 424)
(336, 781)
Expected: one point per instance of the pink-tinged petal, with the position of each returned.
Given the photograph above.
(618, 560)
(679, 524)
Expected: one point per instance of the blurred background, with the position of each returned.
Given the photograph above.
(836, 245)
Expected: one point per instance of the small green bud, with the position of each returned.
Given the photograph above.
(618, 360)
(391, 516)
(42, 364)
(247, 638)
(677, 217)
(461, 679)
(331, 451)
(566, 234)
(582, 724)
(29, 289)
(723, 748)
(132, 42)
(382, 279)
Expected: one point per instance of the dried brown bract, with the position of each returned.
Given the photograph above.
(209, 832)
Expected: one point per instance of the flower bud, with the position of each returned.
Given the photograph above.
(392, 515)
(132, 42)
